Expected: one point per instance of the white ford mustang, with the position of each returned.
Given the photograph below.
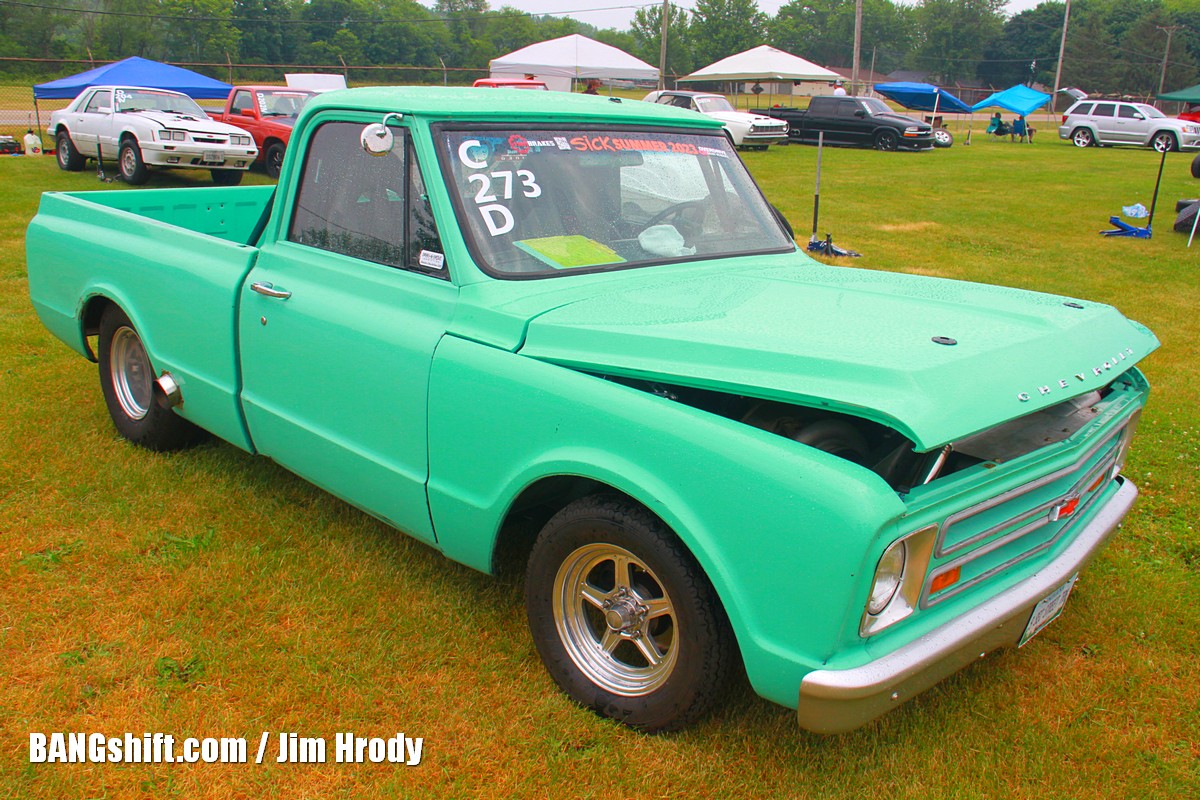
(141, 127)
(746, 129)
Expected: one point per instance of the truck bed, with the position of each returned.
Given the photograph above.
(175, 259)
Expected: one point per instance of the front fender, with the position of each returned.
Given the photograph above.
(782, 531)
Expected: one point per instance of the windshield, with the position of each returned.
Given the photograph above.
(546, 201)
(710, 105)
(282, 103)
(876, 106)
(1150, 112)
(148, 100)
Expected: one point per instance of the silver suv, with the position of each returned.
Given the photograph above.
(1102, 122)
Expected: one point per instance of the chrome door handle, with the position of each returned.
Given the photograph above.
(268, 289)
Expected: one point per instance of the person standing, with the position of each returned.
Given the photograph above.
(593, 87)
(839, 90)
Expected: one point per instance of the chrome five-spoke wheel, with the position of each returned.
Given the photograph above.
(615, 619)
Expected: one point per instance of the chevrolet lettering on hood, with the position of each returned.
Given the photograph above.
(576, 338)
(1064, 383)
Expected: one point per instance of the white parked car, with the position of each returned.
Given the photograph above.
(143, 127)
(1103, 122)
(745, 128)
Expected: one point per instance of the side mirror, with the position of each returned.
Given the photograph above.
(103, 110)
(247, 112)
(377, 138)
(1136, 115)
(860, 113)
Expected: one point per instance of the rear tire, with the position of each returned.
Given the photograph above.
(136, 404)
(1082, 137)
(623, 617)
(1196, 166)
(273, 160)
(129, 163)
(68, 157)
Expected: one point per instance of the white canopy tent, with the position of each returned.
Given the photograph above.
(763, 63)
(570, 58)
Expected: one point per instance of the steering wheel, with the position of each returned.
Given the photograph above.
(685, 217)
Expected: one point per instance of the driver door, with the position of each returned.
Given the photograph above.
(338, 323)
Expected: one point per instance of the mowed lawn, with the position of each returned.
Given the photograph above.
(211, 593)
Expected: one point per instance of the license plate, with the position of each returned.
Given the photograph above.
(1047, 611)
(213, 157)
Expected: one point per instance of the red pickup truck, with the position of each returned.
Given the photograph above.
(268, 113)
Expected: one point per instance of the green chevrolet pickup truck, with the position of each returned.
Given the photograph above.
(462, 308)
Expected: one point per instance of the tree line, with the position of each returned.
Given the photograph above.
(1113, 46)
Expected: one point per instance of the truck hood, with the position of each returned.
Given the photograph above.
(856, 341)
(905, 120)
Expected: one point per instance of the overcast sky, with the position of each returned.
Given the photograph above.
(619, 13)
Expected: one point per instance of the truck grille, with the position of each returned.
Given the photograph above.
(998, 533)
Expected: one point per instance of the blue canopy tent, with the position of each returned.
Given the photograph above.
(922, 97)
(135, 71)
(1020, 99)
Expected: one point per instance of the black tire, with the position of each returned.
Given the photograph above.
(69, 158)
(886, 139)
(226, 177)
(273, 159)
(596, 629)
(130, 165)
(1186, 217)
(1164, 142)
(1196, 166)
(1082, 137)
(136, 404)
(942, 138)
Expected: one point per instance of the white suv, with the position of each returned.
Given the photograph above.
(1102, 122)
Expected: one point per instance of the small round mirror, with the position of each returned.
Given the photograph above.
(377, 139)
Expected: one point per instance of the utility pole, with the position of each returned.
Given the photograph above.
(857, 46)
(1062, 48)
(662, 46)
(1162, 78)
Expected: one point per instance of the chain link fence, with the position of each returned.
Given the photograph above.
(19, 111)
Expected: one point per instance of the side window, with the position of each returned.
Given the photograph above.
(1082, 108)
(368, 207)
(241, 101)
(1104, 110)
(846, 108)
(96, 102)
(1127, 112)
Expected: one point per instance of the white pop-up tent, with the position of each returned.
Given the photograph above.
(763, 63)
(570, 58)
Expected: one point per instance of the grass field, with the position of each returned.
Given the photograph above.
(210, 593)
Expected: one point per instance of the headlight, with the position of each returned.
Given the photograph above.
(899, 580)
(912, 129)
(242, 141)
(887, 577)
(167, 135)
(1191, 128)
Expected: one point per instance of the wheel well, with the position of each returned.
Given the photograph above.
(271, 140)
(92, 312)
(530, 512)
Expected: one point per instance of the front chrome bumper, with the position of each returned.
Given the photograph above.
(835, 701)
